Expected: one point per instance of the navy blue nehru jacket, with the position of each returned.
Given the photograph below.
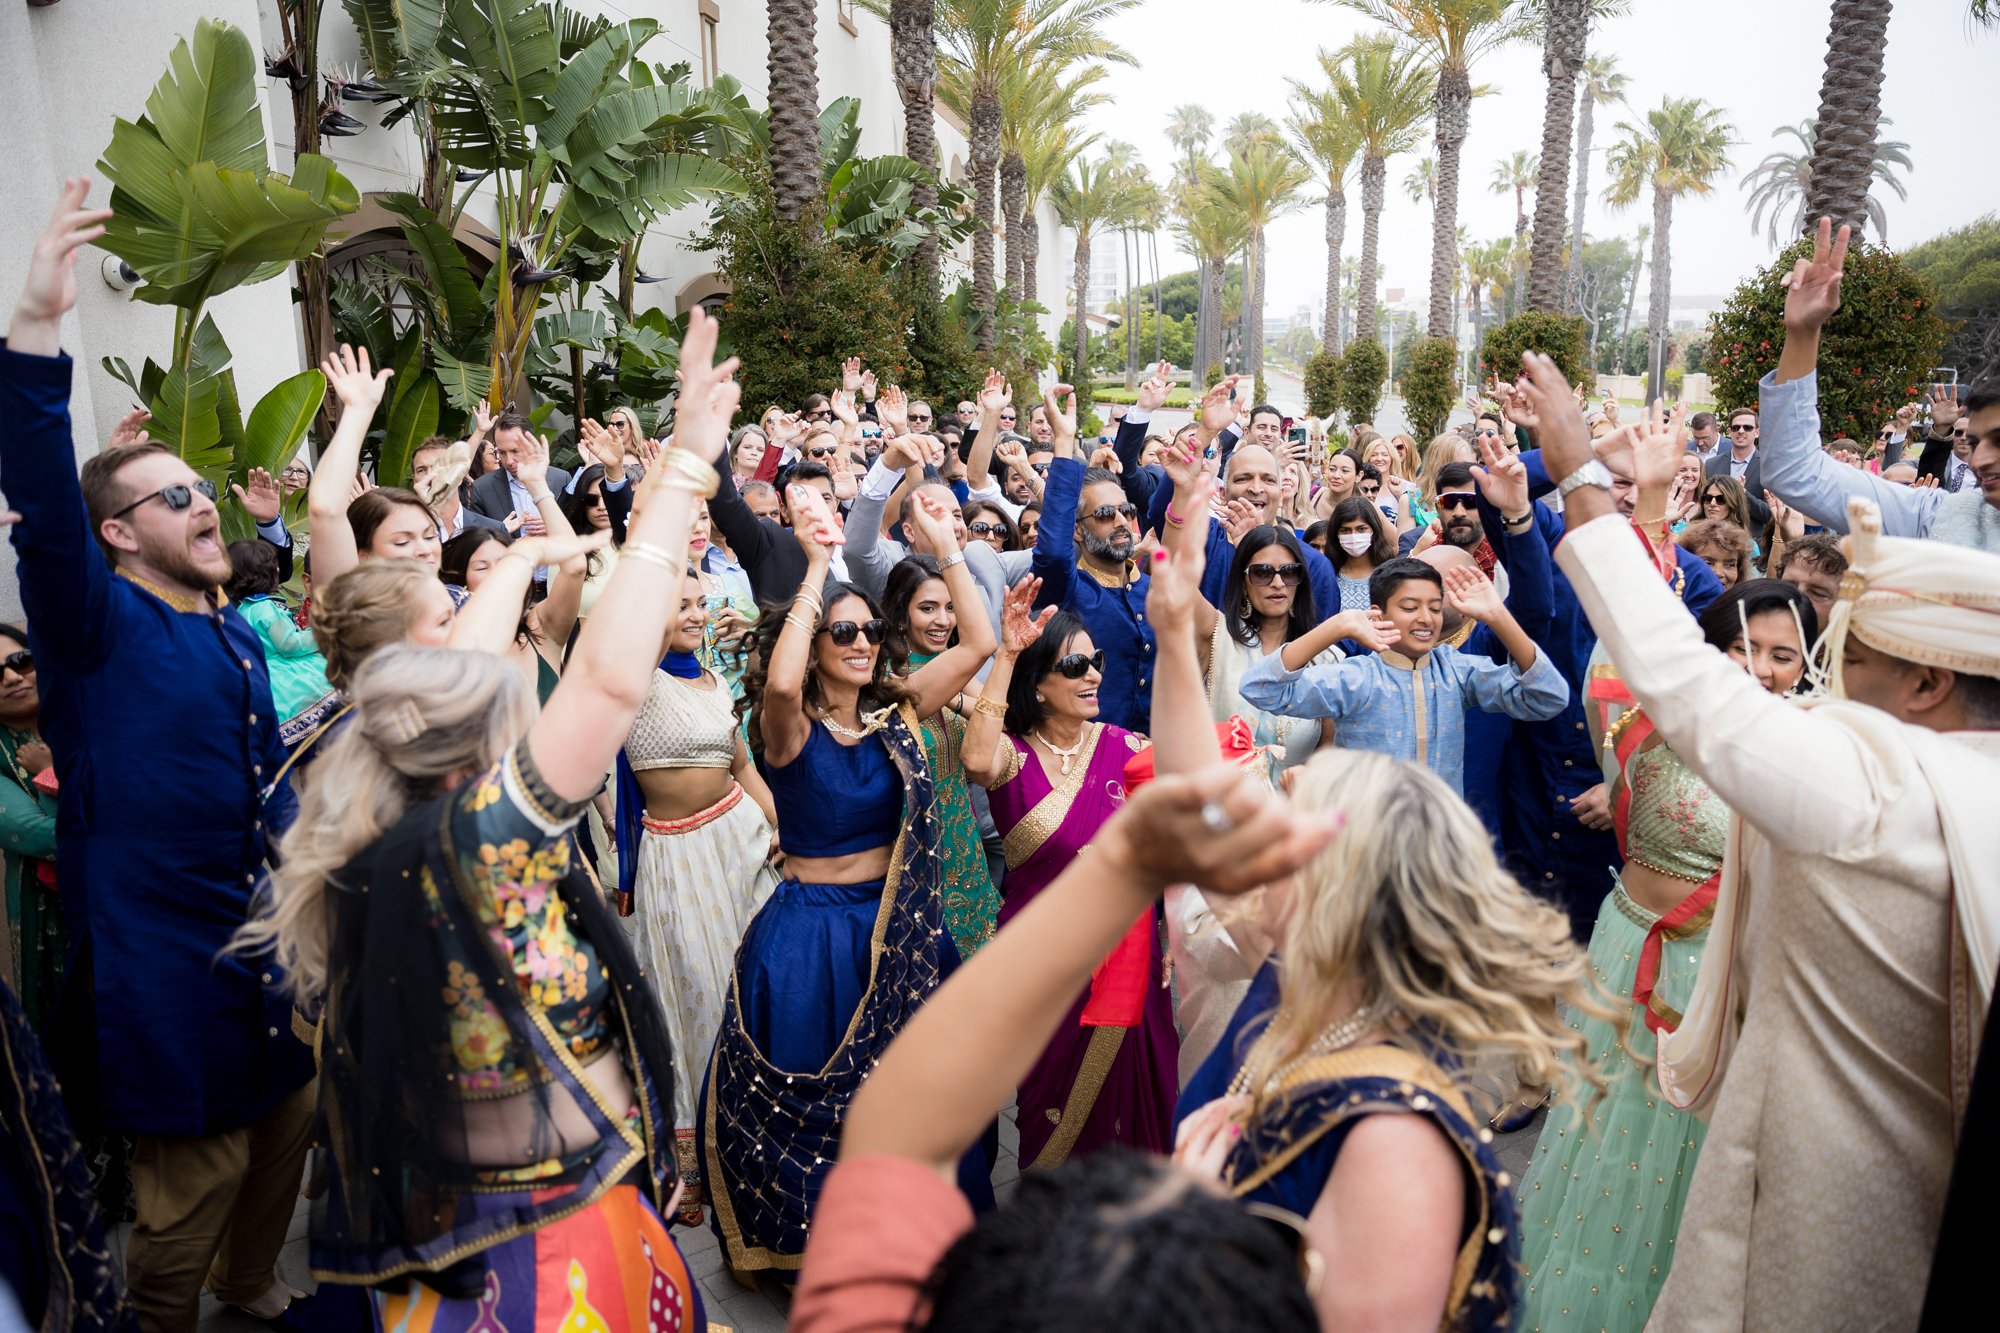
(164, 735)
(1115, 614)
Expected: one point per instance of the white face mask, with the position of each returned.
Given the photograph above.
(1356, 543)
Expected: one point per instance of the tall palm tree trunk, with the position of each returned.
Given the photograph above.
(1080, 351)
(1374, 180)
(1013, 203)
(1336, 237)
(1632, 292)
(1656, 312)
(1253, 304)
(1257, 347)
(1031, 253)
(1131, 313)
(1454, 118)
(984, 151)
(1573, 280)
(792, 70)
(1159, 318)
(913, 55)
(1850, 107)
(1567, 32)
(1243, 294)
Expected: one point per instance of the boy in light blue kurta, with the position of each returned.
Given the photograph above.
(1408, 698)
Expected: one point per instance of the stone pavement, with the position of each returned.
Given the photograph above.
(728, 1302)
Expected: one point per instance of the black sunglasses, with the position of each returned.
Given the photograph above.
(1105, 513)
(1735, 426)
(1040, 469)
(1289, 574)
(1715, 498)
(981, 528)
(1006, 416)
(843, 632)
(1487, 433)
(920, 416)
(1078, 665)
(177, 497)
(824, 414)
(821, 453)
(1457, 500)
(21, 663)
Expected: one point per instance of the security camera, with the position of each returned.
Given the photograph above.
(119, 276)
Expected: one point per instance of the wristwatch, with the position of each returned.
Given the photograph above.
(1593, 473)
(955, 558)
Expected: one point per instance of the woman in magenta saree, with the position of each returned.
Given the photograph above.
(1055, 775)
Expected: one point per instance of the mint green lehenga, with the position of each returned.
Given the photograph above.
(1600, 1204)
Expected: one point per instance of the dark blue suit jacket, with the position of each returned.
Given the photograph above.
(164, 736)
(1115, 617)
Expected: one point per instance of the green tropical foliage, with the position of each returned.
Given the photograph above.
(1363, 368)
(1876, 353)
(1430, 385)
(1558, 337)
(1782, 180)
(1322, 377)
(1965, 265)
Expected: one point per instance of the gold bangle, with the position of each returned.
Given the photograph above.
(809, 624)
(688, 473)
(650, 554)
(985, 705)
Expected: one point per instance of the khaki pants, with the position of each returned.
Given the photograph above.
(215, 1207)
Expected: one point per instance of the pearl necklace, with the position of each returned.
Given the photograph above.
(1067, 756)
(1334, 1037)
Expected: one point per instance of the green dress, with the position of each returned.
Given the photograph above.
(1600, 1205)
(971, 902)
(34, 915)
(298, 672)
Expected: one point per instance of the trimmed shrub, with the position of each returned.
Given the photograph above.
(1362, 371)
(1558, 337)
(1875, 354)
(1430, 385)
(1322, 383)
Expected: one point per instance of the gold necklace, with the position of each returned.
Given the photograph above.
(1065, 755)
(1334, 1037)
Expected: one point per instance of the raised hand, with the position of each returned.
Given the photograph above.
(532, 471)
(709, 395)
(1657, 445)
(785, 428)
(893, 411)
(850, 376)
(598, 443)
(559, 549)
(1471, 593)
(1106, 457)
(482, 420)
(1680, 500)
(131, 428)
(868, 388)
(260, 498)
(1238, 518)
(1012, 453)
(1153, 392)
(1945, 407)
(1019, 625)
(1370, 628)
(50, 290)
(1182, 462)
(994, 395)
(1791, 524)
(902, 452)
(1565, 440)
(1061, 420)
(1610, 409)
(1504, 478)
(1176, 586)
(1514, 404)
(1168, 831)
(514, 521)
(1218, 406)
(1812, 288)
(933, 523)
(812, 525)
(356, 387)
(842, 403)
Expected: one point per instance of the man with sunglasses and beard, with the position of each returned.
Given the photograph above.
(1083, 556)
(157, 704)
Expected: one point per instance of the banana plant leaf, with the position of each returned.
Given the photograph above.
(659, 185)
(361, 315)
(229, 423)
(465, 383)
(279, 421)
(185, 418)
(407, 359)
(411, 421)
(839, 132)
(444, 264)
(510, 53)
(591, 76)
(394, 31)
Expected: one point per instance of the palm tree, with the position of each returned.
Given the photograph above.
(1566, 30)
(1783, 180)
(978, 42)
(1091, 196)
(1210, 231)
(1387, 95)
(1486, 268)
(1639, 252)
(1188, 129)
(792, 68)
(1421, 185)
(1048, 151)
(1326, 137)
(1678, 149)
(1032, 97)
(1251, 127)
(913, 57)
(1261, 184)
(1448, 36)
(1519, 174)
(1850, 107)
(1602, 84)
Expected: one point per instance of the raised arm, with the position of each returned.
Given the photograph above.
(64, 581)
(359, 392)
(985, 752)
(586, 720)
(1183, 740)
(938, 681)
(1055, 540)
(739, 526)
(994, 395)
(1062, 420)
(782, 717)
(959, 1060)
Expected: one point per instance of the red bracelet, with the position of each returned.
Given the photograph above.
(1172, 517)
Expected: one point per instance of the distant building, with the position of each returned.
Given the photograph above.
(1107, 273)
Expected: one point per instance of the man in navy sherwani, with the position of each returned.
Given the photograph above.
(156, 702)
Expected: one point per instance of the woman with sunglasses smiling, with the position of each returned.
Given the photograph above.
(988, 522)
(851, 940)
(1054, 775)
(28, 825)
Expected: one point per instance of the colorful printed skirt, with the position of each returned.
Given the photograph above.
(699, 881)
(611, 1268)
(1600, 1204)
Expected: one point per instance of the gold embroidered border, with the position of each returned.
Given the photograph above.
(1041, 822)
(1083, 1093)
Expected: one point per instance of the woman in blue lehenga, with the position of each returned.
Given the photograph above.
(853, 939)
(1406, 972)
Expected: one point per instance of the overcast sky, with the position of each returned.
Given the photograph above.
(1760, 60)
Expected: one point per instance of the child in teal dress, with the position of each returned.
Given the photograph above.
(298, 673)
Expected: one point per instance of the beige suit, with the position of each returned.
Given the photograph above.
(1822, 1180)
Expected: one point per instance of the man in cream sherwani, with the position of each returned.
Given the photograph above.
(1833, 1027)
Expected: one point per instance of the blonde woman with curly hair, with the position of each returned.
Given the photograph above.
(1404, 973)
(496, 1075)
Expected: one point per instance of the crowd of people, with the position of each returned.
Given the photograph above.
(729, 830)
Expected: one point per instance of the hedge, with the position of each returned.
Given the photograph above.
(1430, 386)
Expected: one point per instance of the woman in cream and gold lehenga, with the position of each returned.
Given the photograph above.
(1601, 1202)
